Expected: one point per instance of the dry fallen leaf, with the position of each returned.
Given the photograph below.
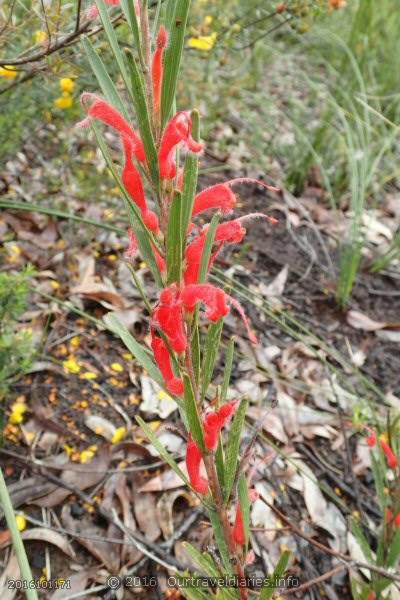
(359, 320)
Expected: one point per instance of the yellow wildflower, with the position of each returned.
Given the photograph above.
(88, 375)
(55, 285)
(18, 407)
(40, 37)
(85, 456)
(8, 72)
(127, 356)
(21, 522)
(66, 84)
(16, 418)
(118, 435)
(71, 365)
(75, 341)
(64, 101)
(208, 19)
(203, 42)
(117, 367)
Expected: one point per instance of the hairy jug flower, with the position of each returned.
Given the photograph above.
(193, 462)
(133, 184)
(103, 111)
(157, 67)
(177, 131)
(238, 528)
(168, 315)
(173, 384)
(93, 12)
(214, 422)
(391, 458)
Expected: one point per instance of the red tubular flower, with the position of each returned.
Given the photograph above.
(178, 130)
(92, 12)
(238, 529)
(396, 521)
(214, 422)
(391, 458)
(388, 516)
(193, 461)
(371, 439)
(157, 67)
(133, 185)
(216, 301)
(161, 354)
(133, 245)
(102, 110)
(221, 197)
(371, 595)
(169, 317)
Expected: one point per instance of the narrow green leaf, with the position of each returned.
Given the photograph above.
(173, 56)
(139, 352)
(394, 550)
(192, 414)
(174, 240)
(130, 16)
(205, 257)
(196, 349)
(135, 219)
(244, 505)
(228, 369)
(203, 560)
(143, 118)
(161, 450)
(279, 571)
(113, 41)
(190, 175)
(376, 466)
(104, 80)
(211, 347)
(220, 539)
(220, 464)
(361, 539)
(232, 448)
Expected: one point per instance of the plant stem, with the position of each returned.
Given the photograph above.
(19, 548)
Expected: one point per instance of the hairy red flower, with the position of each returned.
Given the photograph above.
(133, 184)
(217, 196)
(396, 521)
(177, 131)
(163, 359)
(157, 67)
(371, 439)
(391, 458)
(92, 12)
(168, 315)
(102, 110)
(214, 422)
(193, 461)
(238, 528)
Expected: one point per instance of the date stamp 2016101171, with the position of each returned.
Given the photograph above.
(39, 584)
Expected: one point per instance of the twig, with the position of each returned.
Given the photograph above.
(314, 581)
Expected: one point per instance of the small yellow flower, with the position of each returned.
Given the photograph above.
(8, 72)
(85, 456)
(118, 435)
(68, 450)
(127, 356)
(71, 365)
(64, 101)
(208, 20)
(18, 407)
(117, 367)
(203, 42)
(75, 341)
(40, 37)
(16, 418)
(55, 285)
(236, 28)
(88, 375)
(21, 522)
(67, 84)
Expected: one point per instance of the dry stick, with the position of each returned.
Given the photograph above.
(314, 581)
(350, 562)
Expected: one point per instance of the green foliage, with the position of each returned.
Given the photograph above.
(16, 350)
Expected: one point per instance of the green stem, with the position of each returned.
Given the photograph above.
(19, 548)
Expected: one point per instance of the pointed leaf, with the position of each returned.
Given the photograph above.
(211, 348)
(192, 414)
(232, 448)
(279, 571)
(220, 539)
(228, 369)
(361, 539)
(205, 257)
(190, 175)
(130, 16)
(245, 506)
(174, 240)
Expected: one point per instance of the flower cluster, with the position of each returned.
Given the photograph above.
(391, 458)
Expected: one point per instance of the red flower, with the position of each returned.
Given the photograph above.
(169, 317)
(371, 595)
(157, 67)
(217, 196)
(390, 455)
(388, 516)
(100, 109)
(133, 245)
(397, 521)
(238, 529)
(92, 12)
(216, 301)
(162, 357)
(214, 422)
(371, 439)
(193, 461)
(193, 256)
(133, 185)
(178, 130)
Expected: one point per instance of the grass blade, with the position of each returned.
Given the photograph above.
(244, 506)
(266, 592)
(192, 414)
(232, 448)
(190, 175)
(211, 347)
(174, 240)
